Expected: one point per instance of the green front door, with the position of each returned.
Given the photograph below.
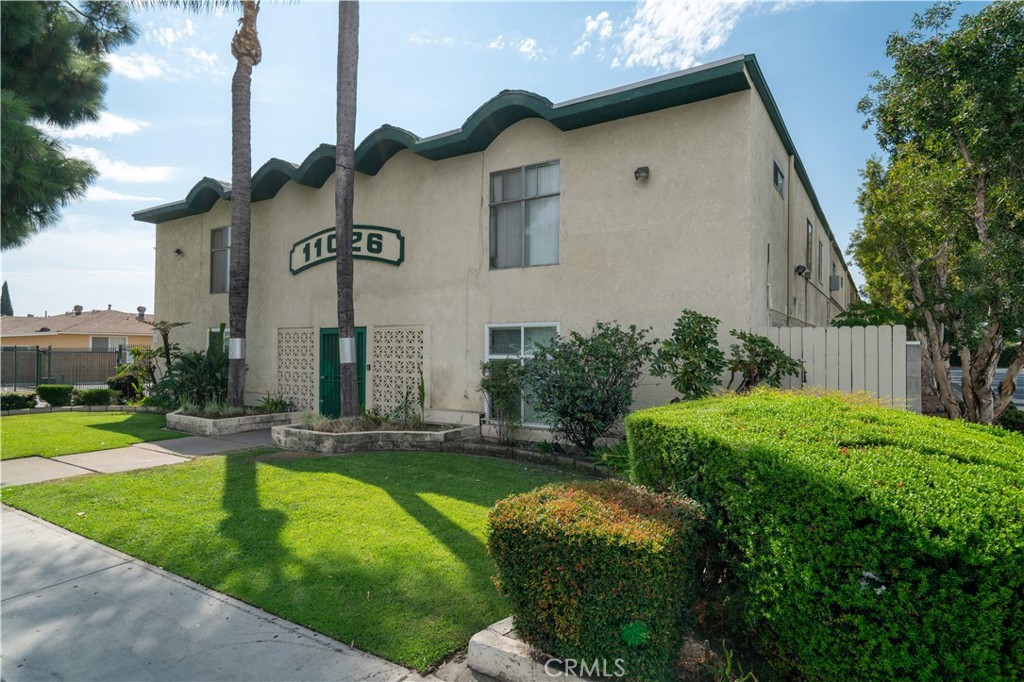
(330, 371)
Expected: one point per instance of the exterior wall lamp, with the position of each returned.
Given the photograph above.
(179, 253)
(803, 271)
(642, 174)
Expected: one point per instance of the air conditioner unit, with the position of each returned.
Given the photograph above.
(835, 282)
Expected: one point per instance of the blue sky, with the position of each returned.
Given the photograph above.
(424, 67)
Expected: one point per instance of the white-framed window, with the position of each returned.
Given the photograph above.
(515, 342)
(107, 343)
(524, 216)
(220, 259)
(778, 179)
(821, 262)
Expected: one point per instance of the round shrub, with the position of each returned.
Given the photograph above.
(95, 396)
(17, 401)
(602, 572)
(56, 395)
(864, 543)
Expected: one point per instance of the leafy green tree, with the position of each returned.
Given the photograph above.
(758, 361)
(691, 356)
(942, 236)
(52, 71)
(6, 308)
(502, 385)
(584, 384)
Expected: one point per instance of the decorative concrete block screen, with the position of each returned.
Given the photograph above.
(396, 360)
(878, 360)
(296, 367)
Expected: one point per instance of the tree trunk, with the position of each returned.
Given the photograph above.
(348, 59)
(978, 375)
(1008, 386)
(245, 47)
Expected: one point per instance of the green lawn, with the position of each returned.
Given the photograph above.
(68, 433)
(383, 551)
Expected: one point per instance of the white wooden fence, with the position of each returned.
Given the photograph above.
(878, 360)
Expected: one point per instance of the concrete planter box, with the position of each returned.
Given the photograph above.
(499, 653)
(199, 426)
(292, 438)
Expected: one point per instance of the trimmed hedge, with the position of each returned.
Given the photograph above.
(56, 395)
(865, 543)
(17, 401)
(95, 396)
(600, 571)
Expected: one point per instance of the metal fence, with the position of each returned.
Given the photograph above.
(28, 367)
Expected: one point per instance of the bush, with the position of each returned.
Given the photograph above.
(17, 401)
(864, 543)
(602, 571)
(56, 395)
(584, 384)
(691, 357)
(127, 384)
(1012, 419)
(758, 361)
(95, 396)
(502, 385)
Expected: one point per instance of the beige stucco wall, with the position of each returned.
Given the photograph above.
(636, 252)
(68, 341)
(779, 297)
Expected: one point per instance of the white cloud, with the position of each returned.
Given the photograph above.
(423, 39)
(137, 67)
(677, 35)
(203, 58)
(529, 48)
(105, 128)
(168, 35)
(119, 171)
(598, 28)
(102, 194)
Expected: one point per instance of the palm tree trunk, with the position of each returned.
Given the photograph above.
(245, 46)
(348, 59)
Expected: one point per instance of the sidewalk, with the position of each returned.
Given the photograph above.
(138, 456)
(75, 610)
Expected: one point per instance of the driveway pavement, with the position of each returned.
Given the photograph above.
(73, 609)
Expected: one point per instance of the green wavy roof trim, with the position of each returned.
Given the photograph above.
(479, 130)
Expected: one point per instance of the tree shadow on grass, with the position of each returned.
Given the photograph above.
(374, 583)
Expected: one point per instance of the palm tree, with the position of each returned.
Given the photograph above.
(245, 47)
(348, 61)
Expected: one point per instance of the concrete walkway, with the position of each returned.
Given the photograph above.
(139, 456)
(73, 609)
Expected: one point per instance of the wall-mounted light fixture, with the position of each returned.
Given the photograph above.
(803, 271)
(642, 173)
(179, 253)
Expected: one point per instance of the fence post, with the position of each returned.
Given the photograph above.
(49, 363)
(37, 366)
(914, 376)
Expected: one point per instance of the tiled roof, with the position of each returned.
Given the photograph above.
(100, 322)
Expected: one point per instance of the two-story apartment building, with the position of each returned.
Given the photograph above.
(532, 219)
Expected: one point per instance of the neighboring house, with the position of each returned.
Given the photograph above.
(79, 329)
(533, 219)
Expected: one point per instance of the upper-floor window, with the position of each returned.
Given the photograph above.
(524, 216)
(821, 262)
(220, 259)
(778, 179)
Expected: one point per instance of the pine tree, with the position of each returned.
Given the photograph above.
(52, 71)
(5, 302)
